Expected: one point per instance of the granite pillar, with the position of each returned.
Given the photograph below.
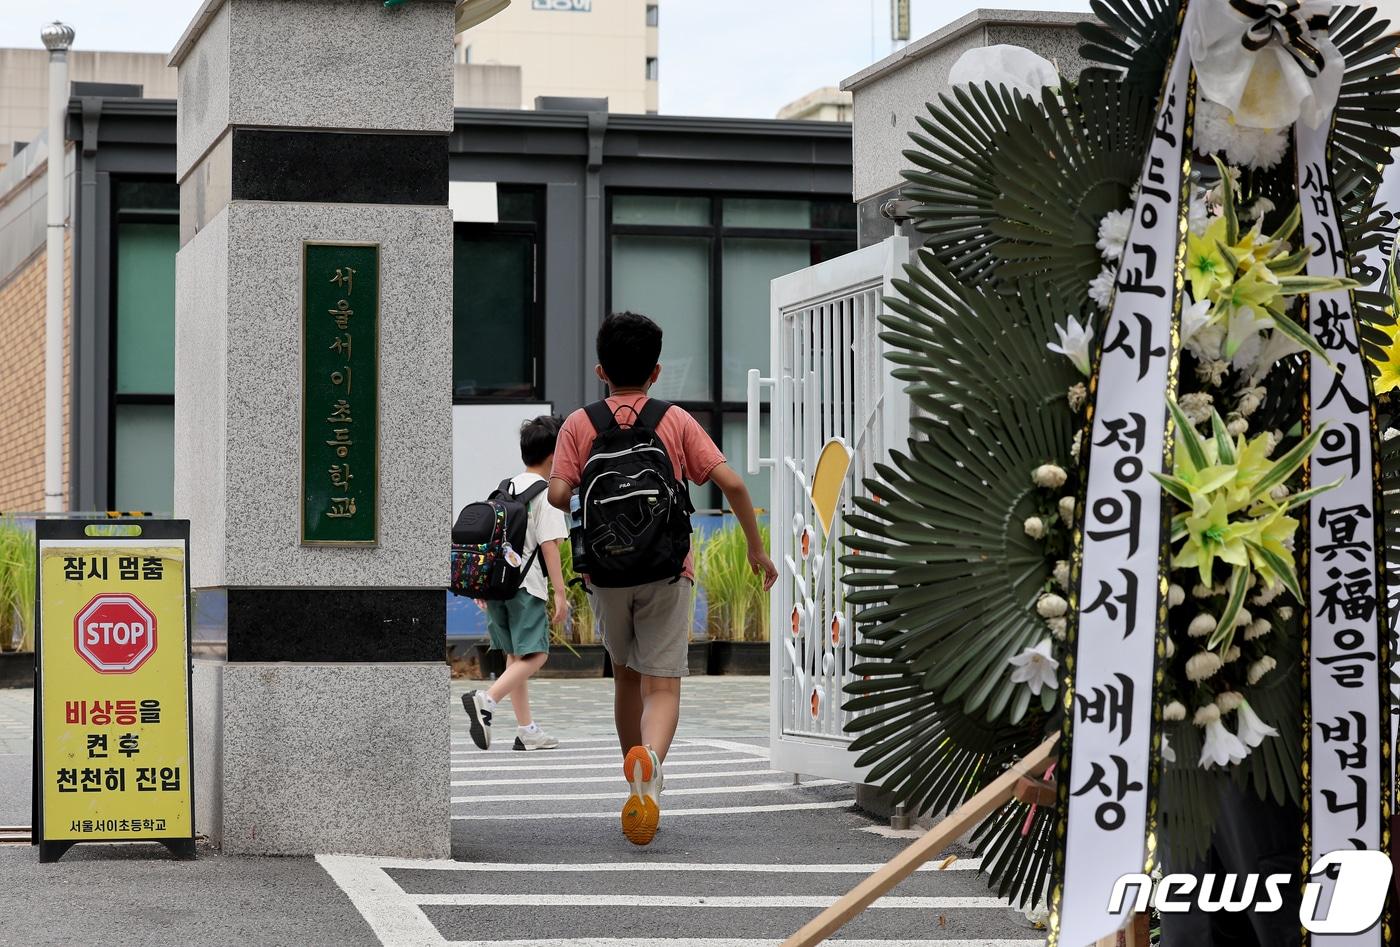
(321, 121)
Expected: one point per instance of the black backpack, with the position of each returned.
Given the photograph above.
(636, 516)
(487, 537)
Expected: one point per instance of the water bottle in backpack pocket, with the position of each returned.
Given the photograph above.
(635, 514)
(487, 541)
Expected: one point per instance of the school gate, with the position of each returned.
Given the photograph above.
(835, 412)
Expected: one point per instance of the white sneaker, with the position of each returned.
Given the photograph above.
(535, 739)
(478, 718)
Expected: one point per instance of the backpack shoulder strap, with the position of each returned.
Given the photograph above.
(601, 416)
(527, 496)
(504, 488)
(652, 412)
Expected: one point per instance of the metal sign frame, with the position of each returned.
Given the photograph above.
(176, 531)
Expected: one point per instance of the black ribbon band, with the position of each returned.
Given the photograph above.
(1282, 20)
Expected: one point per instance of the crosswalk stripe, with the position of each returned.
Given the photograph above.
(553, 767)
(665, 813)
(519, 757)
(689, 791)
(612, 777)
(784, 868)
(732, 942)
(475, 899)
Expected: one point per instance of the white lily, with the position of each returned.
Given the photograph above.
(1200, 333)
(1279, 346)
(1222, 748)
(1242, 342)
(1074, 343)
(1036, 668)
(1252, 729)
(1168, 754)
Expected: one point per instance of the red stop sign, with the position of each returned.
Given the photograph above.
(115, 633)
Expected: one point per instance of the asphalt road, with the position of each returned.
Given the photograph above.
(743, 857)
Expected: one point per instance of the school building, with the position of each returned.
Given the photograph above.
(563, 213)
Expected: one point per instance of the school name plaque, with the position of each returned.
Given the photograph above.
(340, 394)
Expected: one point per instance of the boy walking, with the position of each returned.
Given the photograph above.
(519, 626)
(642, 598)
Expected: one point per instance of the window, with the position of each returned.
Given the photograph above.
(700, 265)
(498, 302)
(653, 14)
(146, 232)
(653, 68)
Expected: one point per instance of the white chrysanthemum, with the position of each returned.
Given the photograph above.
(1050, 476)
(1200, 590)
(1285, 613)
(1206, 714)
(1212, 373)
(1076, 396)
(1259, 209)
(1113, 233)
(1244, 617)
(1228, 701)
(1061, 573)
(1058, 627)
(1201, 625)
(1170, 647)
(1101, 287)
(1074, 445)
(1034, 527)
(1196, 406)
(1250, 400)
(1203, 665)
(1175, 595)
(1257, 629)
(1066, 507)
(1216, 130)
(1051, 605)
(1236, 426)
(1279, 493)
(1259, 668)
(1267, 594)
(1175, 710)
(1233, 655)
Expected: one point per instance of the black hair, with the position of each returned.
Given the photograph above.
(629, 345)
(537, 438)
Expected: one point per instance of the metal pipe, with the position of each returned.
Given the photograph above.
(57, 38)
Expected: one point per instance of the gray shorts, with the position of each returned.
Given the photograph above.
(647, 627)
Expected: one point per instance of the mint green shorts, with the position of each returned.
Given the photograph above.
(518, 626)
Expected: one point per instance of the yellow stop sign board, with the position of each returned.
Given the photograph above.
(112, 747)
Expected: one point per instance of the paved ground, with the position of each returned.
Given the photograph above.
(744, 857)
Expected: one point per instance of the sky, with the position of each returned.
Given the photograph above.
(718, 57)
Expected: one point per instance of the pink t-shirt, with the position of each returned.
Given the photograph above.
(693, 453)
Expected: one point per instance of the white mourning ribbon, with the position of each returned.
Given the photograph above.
(1373, 274)
(1105, 771)
(1348, 699)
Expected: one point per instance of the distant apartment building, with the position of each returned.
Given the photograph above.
(574, 48)
(827, 104)
(569, 48)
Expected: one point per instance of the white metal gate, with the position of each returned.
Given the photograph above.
(835, 413)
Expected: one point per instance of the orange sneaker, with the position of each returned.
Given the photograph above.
(641, 814)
